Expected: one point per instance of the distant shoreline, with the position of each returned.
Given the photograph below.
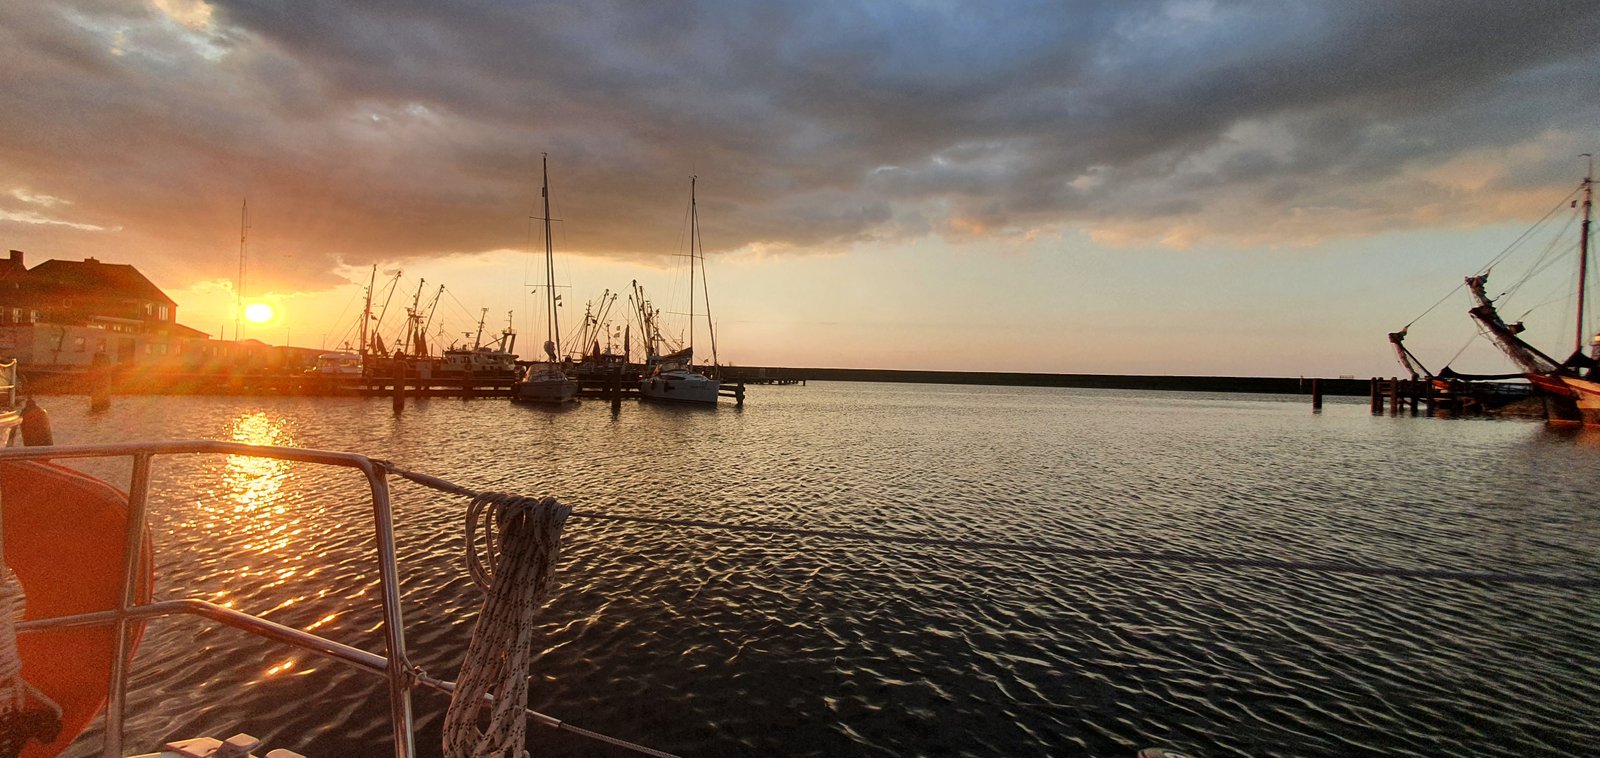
(299, 383)
(1250, 384)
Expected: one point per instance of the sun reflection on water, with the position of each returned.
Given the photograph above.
(253, 498)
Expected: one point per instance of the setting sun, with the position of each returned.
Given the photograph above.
(259, 313)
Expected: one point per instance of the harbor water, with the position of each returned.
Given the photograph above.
(710, 642)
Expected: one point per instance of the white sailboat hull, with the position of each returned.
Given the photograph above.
(680, 387)
(545, 385)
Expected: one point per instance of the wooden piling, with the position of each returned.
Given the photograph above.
(398, 370)
(1376, 397)
(1394, 396)
(99, 382)
(1316, 394)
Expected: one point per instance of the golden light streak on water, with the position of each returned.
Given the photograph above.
(321, 622)
(253, 503)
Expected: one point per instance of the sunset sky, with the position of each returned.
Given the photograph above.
(1097, 187)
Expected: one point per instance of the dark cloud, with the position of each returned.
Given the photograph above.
(397, 130)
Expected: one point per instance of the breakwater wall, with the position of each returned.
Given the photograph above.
(1256, 384)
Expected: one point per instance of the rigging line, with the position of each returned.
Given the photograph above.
(1325, 567)
(1464, 347)
(1546, 258)
(1514, 243)
(1447, 296)
(1496, 260)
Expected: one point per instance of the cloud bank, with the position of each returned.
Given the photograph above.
(414, 129)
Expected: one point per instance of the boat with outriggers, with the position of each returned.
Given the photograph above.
(1567, 390)
(1571, 387)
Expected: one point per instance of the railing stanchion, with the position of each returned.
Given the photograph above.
(116, 699)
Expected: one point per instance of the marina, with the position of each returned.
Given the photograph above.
(363, 397)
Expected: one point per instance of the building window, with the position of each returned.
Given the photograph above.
(149, 309)
(162, 313)
(79, 344)
(33, 317)
(55, 342)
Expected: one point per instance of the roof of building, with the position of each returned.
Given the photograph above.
(92, 275)
(179, 330)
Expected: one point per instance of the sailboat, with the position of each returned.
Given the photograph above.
(673, 377)
(1571, 388)
(544, 381)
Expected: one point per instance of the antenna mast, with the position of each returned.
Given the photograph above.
(238, 295)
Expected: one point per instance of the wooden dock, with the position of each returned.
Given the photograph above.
(1454, 397)
(619, 387)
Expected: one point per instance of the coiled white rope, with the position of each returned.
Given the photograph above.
(19, 723)
(520, 539)
(13, 692)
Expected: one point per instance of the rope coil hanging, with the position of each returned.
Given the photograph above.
(512, 546)
(26, 714)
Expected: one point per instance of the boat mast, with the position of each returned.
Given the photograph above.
(694, 231)
(366, 313)
(414, 317)
(552, 328)
(705, 292)
(433, 307)
(478, 340)
(377, 327)
(1583, 250)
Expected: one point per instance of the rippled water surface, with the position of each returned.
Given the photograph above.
(735, 643)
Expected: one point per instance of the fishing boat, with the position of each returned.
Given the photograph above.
(493, 362)
(1571, 387)
(545, 381)
(673, 377)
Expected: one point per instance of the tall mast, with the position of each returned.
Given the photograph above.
(694, 228)
(1583, 250)
(705, 290)
(414, 317)
(552, 328)
(366, 313)
(244, 233)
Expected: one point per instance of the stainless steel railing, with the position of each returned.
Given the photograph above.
(8, 384)
(395, 666)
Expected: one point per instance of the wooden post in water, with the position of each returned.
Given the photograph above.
(738, 395)
(1376, 398)
(99, 382)
(1394, 396)
(1316, 394)
(398, 369)
(1415, 388)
